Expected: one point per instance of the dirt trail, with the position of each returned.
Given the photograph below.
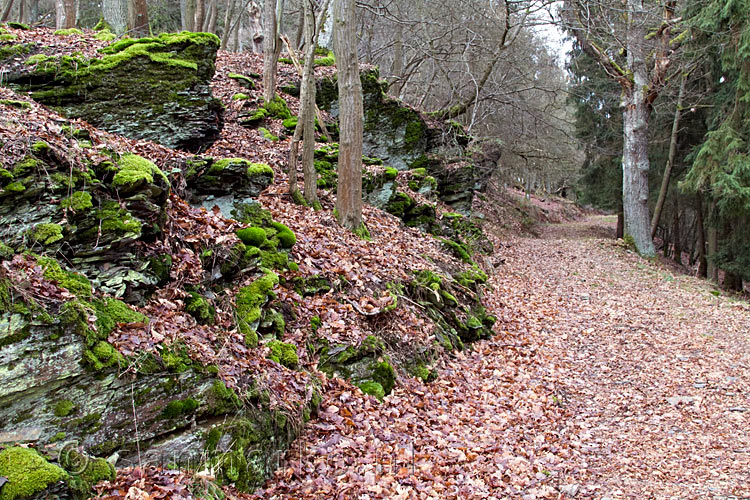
(610, 377)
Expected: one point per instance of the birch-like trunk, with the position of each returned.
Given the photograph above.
(65, 11)
(349, 192)
(307, 115)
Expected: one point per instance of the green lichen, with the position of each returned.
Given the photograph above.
(78, 201)
(248, 305)
(27, 473)
(283, 353)
(254, 236)
(45, 234)
(68, 32)
(266, 134)
(64, 408)
(134, 171)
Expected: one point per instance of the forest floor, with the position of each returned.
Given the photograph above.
(610, 377)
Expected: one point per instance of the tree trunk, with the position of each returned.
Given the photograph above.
(635, 162)
(349, 192)
(209, 24)
(6, 12)
(256, 28)
(115, 13)
(138, 18)
(200, 14)
(33, 11)
(271, 49)
(65, 14)
(670, 160)
(307, 115)
(701, 237)
(676, 236)
(187, 12)
(325, 39)
(620, 231)
(713, 244)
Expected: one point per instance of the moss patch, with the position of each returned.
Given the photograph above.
(254, 236)
(78, 201)
(28, 473)
(248, 305)
(45, 234)
(283, 353)
(135, 171)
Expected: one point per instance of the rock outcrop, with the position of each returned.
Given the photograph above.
(148, 88)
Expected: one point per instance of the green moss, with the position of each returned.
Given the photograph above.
(268, 135)
(64, 408)
(115, 219)
(134, 171)
(27, 472)
(366, 160)
(254, 119)
(15, 104)
(15, 187)
(290, 123)
(78, 201)
(176, 359)
(277, 108)
(400, 204)
(259, 169)
(325, 61)
(383, 374)
(160, 266)
(274, 260)
(372, 388)
(240, 97)
(283, 353)
(45, 234)
(25, 166)
(60, 436)
(458, 249)
(8, 37)
(85, 472)
(362, 232)
(105, 36)
(223, 399)
(75, 283)
(178, 408)
(68, 32)
(110, 312)
(5, 175)
(18, 26)
(200, 308)
(286, 236)
(391, 173)
(248, 305)
(102, 356)
(6, 253)
(243, 80)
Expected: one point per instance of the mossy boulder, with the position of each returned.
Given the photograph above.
(225, 182)
(27, 473)
(148, 88)
(248, 305)
(366, 365)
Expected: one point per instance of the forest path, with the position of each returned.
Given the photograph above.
(610, 377)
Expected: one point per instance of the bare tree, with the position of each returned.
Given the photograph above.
(632, 43)
(115, 13)
(271, 46)
(349, 191)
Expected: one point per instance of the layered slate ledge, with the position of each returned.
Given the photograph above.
(148, 88)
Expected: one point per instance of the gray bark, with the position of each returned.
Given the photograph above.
(65, 11)
(115, 14)
(635, 162)
(349, 192)
(271, 49)
(307, 113)
(138, 18)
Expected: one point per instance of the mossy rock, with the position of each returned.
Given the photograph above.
(27, 473)
(363, 365)
(244, 81)
(248, 305)
(155, 88)
(237, 177)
